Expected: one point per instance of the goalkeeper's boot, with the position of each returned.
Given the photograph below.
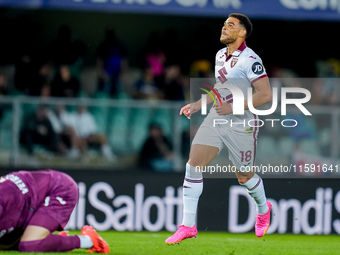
(262, 222)
(182, 233)
(99, 244)
(63, 233)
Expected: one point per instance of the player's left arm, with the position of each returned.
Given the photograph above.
(263, 93)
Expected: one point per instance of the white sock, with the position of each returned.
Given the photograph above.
(256, 190)
(192, 189)
(85, 242)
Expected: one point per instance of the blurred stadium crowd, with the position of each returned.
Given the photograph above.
(139, 137)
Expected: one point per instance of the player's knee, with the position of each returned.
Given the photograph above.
(243, 177)
(242, 180)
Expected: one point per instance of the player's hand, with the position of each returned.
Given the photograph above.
(190, 109)
(223, 109)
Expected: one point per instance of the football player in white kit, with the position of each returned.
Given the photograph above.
(240, 66)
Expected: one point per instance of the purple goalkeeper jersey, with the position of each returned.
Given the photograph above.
(24, 194)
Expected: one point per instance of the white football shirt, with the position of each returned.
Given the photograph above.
(242, 68)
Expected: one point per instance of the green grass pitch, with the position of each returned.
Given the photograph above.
(214, 243)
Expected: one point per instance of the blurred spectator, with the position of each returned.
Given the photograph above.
(79, 51)
(156, 153)
(63, 123)
(155, 56)
(66, 51)
(146, 87)
(327, 89)
(3, 92)
(201, 69)
(26, 72)
(86, 129)
(45, 77)
(38, 130)
(284, 77)
(42, 85)
(302, 131)
(63, 84)
(31, 77)
(111, 63)
(172, 85)
(3, 85)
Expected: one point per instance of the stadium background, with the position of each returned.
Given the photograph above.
(122, 195)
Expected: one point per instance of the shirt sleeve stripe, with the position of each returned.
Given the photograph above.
(258, 78)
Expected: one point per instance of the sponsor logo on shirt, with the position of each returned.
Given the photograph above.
(257, 68)
(219, 63)
(61, 201)
(4, 231)
(17, 181)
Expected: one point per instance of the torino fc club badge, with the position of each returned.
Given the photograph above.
(233, 62)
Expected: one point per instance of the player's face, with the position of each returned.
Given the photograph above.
(230, 30)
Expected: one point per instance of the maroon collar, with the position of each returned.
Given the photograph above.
(242, 47)
(237, 52)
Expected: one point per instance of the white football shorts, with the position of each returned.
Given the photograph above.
(241, 141)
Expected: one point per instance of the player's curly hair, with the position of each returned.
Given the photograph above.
(244, 21)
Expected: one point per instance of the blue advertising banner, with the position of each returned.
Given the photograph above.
(328, 10)
(22, 3)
